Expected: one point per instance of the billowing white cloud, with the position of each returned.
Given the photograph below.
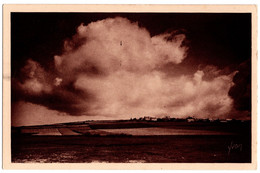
(117, 44)
(114, 62)
(127, 94)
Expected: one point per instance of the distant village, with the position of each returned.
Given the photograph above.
(188, 119)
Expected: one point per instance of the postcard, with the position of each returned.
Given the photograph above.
(129, 86)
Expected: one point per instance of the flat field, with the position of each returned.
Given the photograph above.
(201, 144)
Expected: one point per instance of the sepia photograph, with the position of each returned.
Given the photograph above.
(131, 87)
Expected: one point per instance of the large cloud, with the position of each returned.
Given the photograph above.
(113, 68)
(127, 93)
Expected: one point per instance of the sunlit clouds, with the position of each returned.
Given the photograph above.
(112, 68)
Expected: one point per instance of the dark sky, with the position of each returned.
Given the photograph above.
(221, 40)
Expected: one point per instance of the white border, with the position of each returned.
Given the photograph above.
(135, 2)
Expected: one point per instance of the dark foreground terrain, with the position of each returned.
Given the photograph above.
(112, 147)
(156, 149)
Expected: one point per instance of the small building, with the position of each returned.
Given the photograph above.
(147, 118)
(211, 120)
(153, 119)
(223, 121)
(191, 120)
